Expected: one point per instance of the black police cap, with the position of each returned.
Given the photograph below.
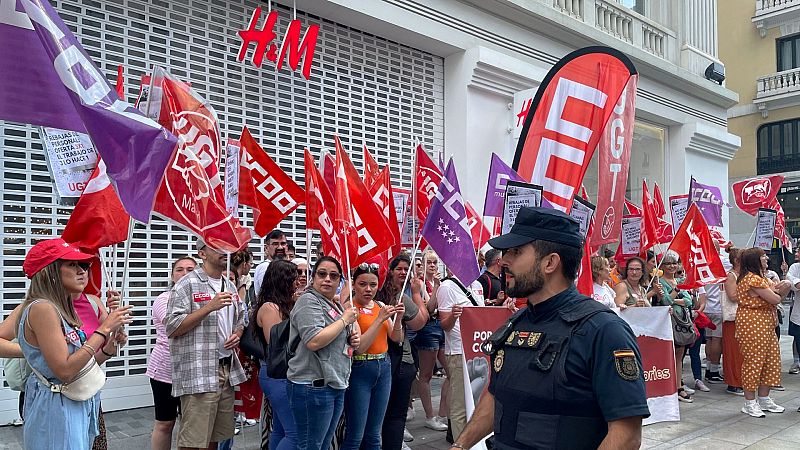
(540, 224)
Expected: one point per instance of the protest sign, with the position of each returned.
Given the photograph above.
(71, 158)
(232, 177)
(653, 330)
(678, 205)
(582, 211)
(519, 195)
(765, 228)
(631, 235)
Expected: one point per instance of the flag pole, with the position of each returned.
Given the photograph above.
(227, 269)
(127, 257)
(308, 254)
(106, 275)
(414, 198)
(410, 269)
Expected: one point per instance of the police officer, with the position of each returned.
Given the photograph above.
(565, 371)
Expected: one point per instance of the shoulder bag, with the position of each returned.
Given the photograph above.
(17, 371)
(683, 329)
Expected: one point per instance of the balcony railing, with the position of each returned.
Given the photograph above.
(770, 6)
(614, 19)
(779, 83)
(774, 13)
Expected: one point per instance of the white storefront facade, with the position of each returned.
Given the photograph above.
(386, 73)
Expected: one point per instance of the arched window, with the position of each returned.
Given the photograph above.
(778, 147)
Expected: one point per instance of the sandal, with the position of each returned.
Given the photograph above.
(683, 396)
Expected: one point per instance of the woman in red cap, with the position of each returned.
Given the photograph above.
(59, 273)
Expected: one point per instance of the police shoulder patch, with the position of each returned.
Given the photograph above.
(625, 363)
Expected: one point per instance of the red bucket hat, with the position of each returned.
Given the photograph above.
(46, 252)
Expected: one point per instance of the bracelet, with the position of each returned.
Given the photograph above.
(343, 323)
(106, 353)
(457, 445)
(105, 336)
(89, 347)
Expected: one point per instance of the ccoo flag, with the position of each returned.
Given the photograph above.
(568, 118)
(48, 79)
(447, 230)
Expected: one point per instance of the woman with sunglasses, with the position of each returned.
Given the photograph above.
(404, 365)
(320, 367)
(371, 375)
(301, 283)
(679, 299)
(275, 303)
(632, 290)
(53, 343)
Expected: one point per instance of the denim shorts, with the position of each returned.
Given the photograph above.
(430, 337)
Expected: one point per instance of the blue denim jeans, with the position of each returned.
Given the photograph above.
(365, 403)
(694, 356)
(284, 430)
(316, 412)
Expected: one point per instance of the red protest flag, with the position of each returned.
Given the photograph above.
(371, 169)
(649, 220)
(364, 238)
(695, 248)
(191, 193)
(480, 234)
(265, 187)
(658, 201)
(383, 196)
(664, 231)
(427, 179)
(99, 219)
(319, 209)
(755, 193)
(120, 86)
(327, 168)
(633, 210)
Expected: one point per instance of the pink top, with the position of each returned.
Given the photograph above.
(87, 314)
(159, 366)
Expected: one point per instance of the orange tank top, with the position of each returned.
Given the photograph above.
(366, 316)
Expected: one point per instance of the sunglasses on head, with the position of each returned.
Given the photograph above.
(325, 274)
(371, 267)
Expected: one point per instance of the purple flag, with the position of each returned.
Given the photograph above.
(48, 79)
(709, 201)
(446, 229)
(499, 174)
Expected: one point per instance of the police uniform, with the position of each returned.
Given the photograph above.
(563, 368)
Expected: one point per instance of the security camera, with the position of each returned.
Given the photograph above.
(715, 72)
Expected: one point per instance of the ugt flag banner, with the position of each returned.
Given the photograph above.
(48, 79)
(567, 119)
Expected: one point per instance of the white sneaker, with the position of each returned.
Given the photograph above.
(688, 390)
(752, 409)
(407, 437)
(770, 406)
(794, 369)
(250, 422)
(410, 414)
(435, 425)
(405, 447)
(441, 420)
(700, 386)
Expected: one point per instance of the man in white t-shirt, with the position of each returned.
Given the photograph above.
(452, 298)
(275, 247)
(713, 310)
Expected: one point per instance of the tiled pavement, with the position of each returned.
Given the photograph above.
(713, 421)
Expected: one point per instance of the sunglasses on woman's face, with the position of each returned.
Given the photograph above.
(301, 272)
(322, 274)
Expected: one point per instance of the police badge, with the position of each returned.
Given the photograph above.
(498, 360)
(625, 363)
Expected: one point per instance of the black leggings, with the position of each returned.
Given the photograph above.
(395, 420)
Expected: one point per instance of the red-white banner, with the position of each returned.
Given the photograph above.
(569, 116)
(695, 247)
(364, 238)
(427, 179)
(383, 195)
(265, 187)
(320, 209)
(653, 330)
(480, 234)
(371, 169)
(649, 220)
(755, 193)
(613, 163)
(191, 192)
(651, 326)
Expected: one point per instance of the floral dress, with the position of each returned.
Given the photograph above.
(755, 331)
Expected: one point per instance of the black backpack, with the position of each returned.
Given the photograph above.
(280, 350)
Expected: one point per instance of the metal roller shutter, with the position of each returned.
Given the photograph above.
(365, 88)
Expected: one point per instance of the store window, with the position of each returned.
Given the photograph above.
(778, 147)
(788, 52)
(647, 162)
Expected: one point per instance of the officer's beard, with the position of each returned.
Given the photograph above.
(528, 283)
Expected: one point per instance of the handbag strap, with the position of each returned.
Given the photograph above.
(463, 289)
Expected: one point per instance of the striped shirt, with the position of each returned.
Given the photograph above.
(159, 365)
